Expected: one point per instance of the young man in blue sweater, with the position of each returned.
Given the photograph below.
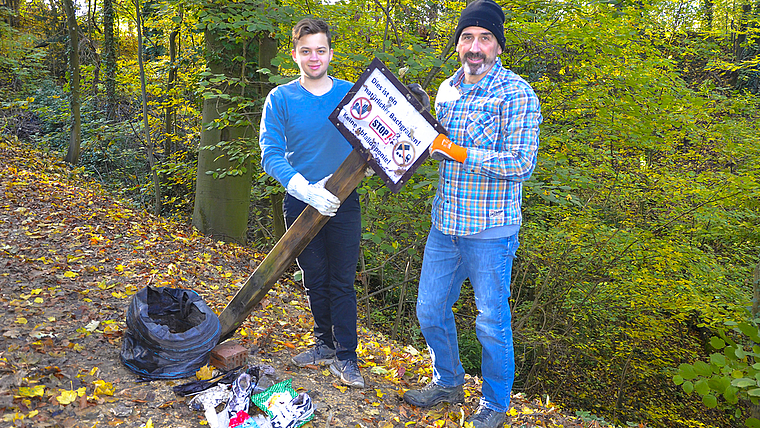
(301, 149)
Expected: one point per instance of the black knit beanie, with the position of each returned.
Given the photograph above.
(485, 14)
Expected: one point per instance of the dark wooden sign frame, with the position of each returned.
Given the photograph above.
(355, 141)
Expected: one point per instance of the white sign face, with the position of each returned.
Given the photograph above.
(387, 125)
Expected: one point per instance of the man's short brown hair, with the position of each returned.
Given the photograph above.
(308, 26)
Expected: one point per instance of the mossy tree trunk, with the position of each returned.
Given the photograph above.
(75, 139)
(109, 46)
(267, 52)
(221, 204)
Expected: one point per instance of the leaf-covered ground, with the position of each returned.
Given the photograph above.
(71, 257)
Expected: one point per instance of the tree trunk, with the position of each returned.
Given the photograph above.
(72, 156)
(169, 114)
(221, 204)
(146, 123)
(267, 52)
(110, 60)
(707, 15)
(741, 36)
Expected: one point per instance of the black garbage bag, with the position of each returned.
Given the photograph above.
(170, 333)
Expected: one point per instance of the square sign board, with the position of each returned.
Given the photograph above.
(383, 120)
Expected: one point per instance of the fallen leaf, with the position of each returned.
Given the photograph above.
(92, 326)
(379, 370)
(204, 373)
(66, 397)
(103, 388)
(34, 391)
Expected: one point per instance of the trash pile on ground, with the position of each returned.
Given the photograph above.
(227, 400)
(171, 335)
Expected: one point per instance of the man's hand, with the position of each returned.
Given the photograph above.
(444, 149)
(314, 194)
(420, 94)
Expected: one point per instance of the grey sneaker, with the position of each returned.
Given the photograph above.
(432, 394)
(348, 372)
(317, 355)
(487, 418)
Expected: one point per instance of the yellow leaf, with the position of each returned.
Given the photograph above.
(148, 424)
(32, 414)
(204, 373)
(21, 320)
(36, 291)
(70, 274)
(110, 328)
(341, 388)
(34, 391)
(66, 397)
(103, 388)
(81, 391)
(379, 393)
(38, 300)
(512, 412)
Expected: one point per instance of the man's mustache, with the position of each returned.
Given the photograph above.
(474, 55)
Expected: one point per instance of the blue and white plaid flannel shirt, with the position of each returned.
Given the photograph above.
(497, 120)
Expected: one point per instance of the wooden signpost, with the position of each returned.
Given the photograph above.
(389, 130)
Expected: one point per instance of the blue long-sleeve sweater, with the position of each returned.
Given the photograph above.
(296, 135)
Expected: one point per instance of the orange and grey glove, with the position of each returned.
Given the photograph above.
(444, 149)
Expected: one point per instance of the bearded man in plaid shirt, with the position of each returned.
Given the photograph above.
(492, 116)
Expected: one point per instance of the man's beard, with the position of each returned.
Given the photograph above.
(480, 68)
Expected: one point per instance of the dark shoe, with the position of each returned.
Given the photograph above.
(348, 372)
(487, 418)
(318, 355)
(432, 394)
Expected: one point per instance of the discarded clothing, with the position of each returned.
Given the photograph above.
(286, 408)
(196, 386)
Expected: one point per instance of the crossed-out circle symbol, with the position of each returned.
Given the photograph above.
(403, 153)
(360, 108)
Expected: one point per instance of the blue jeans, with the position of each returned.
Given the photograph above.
(447, 262)
(329, 269)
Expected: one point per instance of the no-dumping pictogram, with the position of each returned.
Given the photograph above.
(361, 108)
(403, 153)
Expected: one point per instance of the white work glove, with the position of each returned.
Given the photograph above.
(314, 194)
